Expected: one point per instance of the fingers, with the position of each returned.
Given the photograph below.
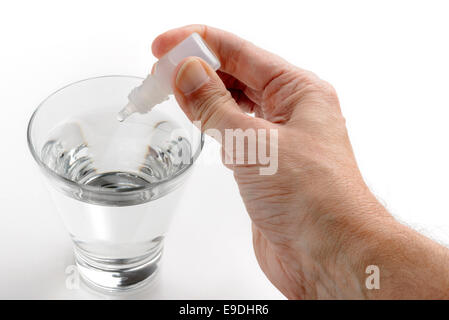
(243, 60)
(203, 97)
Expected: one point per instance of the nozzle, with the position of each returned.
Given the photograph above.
(157, 86)
(128, 110)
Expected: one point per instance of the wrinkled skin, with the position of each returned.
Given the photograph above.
(315, 214)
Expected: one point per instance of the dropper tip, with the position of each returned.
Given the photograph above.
(125, 112)
(121, 117)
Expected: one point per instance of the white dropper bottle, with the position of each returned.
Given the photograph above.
(157, 86)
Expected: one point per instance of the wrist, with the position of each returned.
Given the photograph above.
(342, 240)
(351, 238)
(329, 238)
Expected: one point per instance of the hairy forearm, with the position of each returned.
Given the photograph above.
(411, 266)
(360, 234)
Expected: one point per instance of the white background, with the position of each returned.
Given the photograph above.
(388, 61)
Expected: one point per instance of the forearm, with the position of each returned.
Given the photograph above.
(362, 234)
(411, 265)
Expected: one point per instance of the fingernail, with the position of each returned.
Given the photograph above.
(191, 76)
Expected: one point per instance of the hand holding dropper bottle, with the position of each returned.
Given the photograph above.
(157, 86)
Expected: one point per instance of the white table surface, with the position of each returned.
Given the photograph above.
(388, 62)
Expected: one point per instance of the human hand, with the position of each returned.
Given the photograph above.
(315, 213)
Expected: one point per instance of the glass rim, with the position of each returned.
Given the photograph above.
(88, 188)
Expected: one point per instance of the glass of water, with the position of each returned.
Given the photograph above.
(115, 184)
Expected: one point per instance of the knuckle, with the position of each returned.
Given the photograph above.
(311, 83)
(329, 90)
(324, 91)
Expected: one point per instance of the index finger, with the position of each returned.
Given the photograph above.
(251, 65)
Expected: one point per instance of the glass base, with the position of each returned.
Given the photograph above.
(115, 275)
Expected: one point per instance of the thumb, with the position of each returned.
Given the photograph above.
(203, 97)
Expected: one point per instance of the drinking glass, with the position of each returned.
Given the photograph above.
(116, 185)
